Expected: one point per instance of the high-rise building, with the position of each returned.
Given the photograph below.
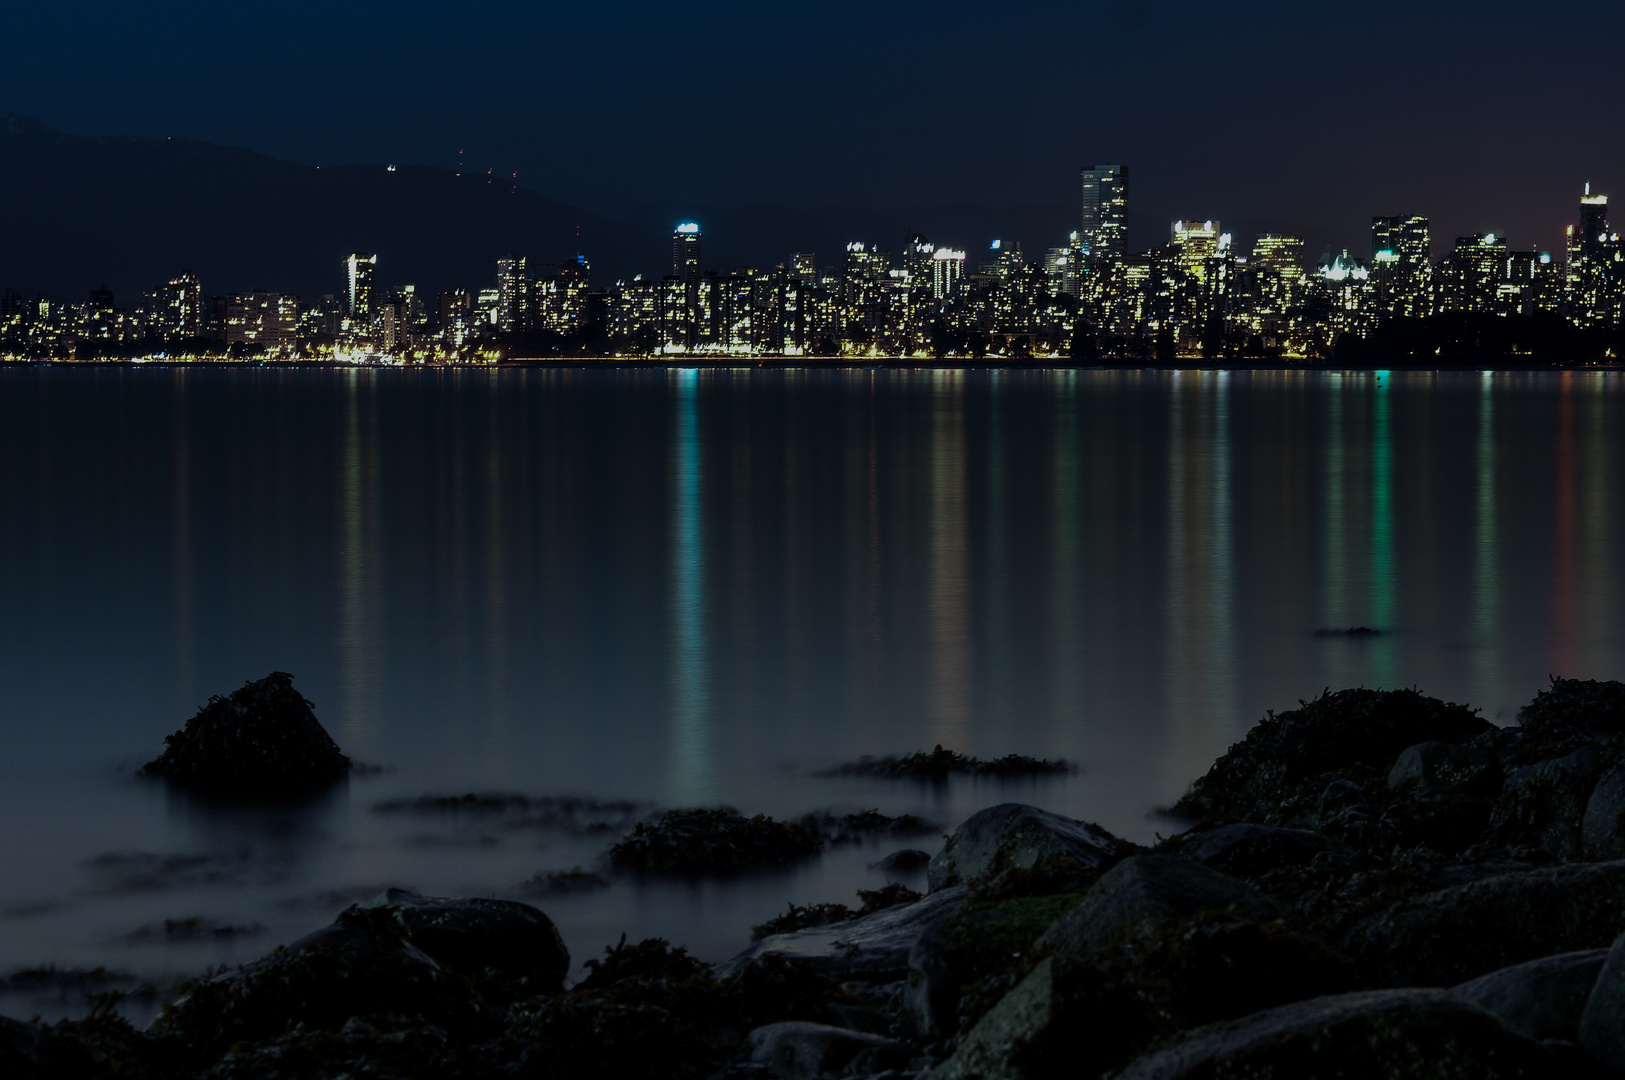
(1470, 277)
(686, 265)
(269, 320)
(1595, 275)
(917, 259)
(359, 271)
(179, 311)
(804, 268)
(947, 271)
(1401, 265)
(513, 294)
(1103, 223)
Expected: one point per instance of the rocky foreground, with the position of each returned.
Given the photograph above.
(1375, 884)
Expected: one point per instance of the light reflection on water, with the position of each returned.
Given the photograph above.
(706, 586)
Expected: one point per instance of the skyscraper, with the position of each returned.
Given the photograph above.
(1401, 264)
(1103, 224)
(513, 294)
(359, 269)
(179, 311)
(685, 254)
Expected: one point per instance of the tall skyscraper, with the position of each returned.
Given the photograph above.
(1103, 224)
(180, 307)
(1595, 278)
(1401, 265)
(513, 294)
(359, 270)
(685, 254)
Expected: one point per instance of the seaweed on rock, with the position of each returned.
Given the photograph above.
(718, 841)
(939, 764)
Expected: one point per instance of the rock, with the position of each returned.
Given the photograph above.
(474, 935)
(796, 1048)
(1544, 805)
(1249, 850)
(936, 974)
(1447, 937)
(1542, 998)
(871, 948)
(1335, 731)
(939, 764)
(1017, 836)
(907, 861)
(1395, 1034)
(1144, 894)
(1583, 705)
(1445, 767)
(1602, 830)
(319, 981)
(1602, 1022)
(261, 740)
(720, 841)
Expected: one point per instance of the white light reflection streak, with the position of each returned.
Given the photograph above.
(691, 779)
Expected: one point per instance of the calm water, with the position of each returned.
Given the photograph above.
(688, 588)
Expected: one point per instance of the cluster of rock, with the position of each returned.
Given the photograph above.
(721, 840)
(1375, 884)
(940, 764)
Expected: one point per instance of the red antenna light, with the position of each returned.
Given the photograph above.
(516, 181)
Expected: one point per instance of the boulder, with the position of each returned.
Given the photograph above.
(262, 740)
(1447, 937)
(1580, 705)
(1443, 767)
(320, 982)
(1602, 1022)
(1249, 850)
(1395, 1034)
(1014, 836)
(1145, 894)
(1542, 998)
(1336, 731)
(473, 936)
(714, 841)
(908, 861)
(1602, 830)
(1544, 805)
(795, 1049)
(869, 948)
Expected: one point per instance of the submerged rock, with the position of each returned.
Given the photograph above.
(261, 740)
(720, 841)
(1541, 998)
(1396, 1034)
(939, 764)
(1014, 836)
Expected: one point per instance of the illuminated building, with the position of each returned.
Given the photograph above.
(804, 267)
(686, 266)
(947, 271)
(1595, 274)
(560, 301)
(1103, 221)
(1401, 266)
(513, 294)
(359, 271)
(265, 319)
(1004, 260)
(1347, 284)
(1470, 277)
(178, 305)
(1277, 266)
(1533, 282)
(917, 255)
(1064, 269)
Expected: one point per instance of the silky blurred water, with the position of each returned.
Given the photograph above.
(698, 587)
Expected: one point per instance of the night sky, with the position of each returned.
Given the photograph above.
(1482, 115)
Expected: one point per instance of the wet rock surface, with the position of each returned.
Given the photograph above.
(262, 740)
(1375, 884)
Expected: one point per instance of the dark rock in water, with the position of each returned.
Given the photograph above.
(1447, 937)
(721, 841)
(1351, 632)
(856, 828)
(1143, 895)
(1444, 767)
(796, 1049)
(472, 936)
(261, 740)
(1542, 998)
(1543, 805)
(873, 948)
(1602, 1023)
(1016, 836)
(1245, 850)
(320, 981)
(907, 861)
(1395, 1034)
(939, 764)
(1602, 830)
(564, 883)
(1338, 730)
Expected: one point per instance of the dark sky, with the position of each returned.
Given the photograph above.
(1485, 115)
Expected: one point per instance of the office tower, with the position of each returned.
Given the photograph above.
(1004, 260)
(179, 307)
(686, 265)
(513, 294)
(1194, 244)
(268, 320)
(1401, 266)
(359, 271)
(917, 259)
(804, 268)
(947, 271)
(1595, 277)
(1103, 223)
(1469, 278)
